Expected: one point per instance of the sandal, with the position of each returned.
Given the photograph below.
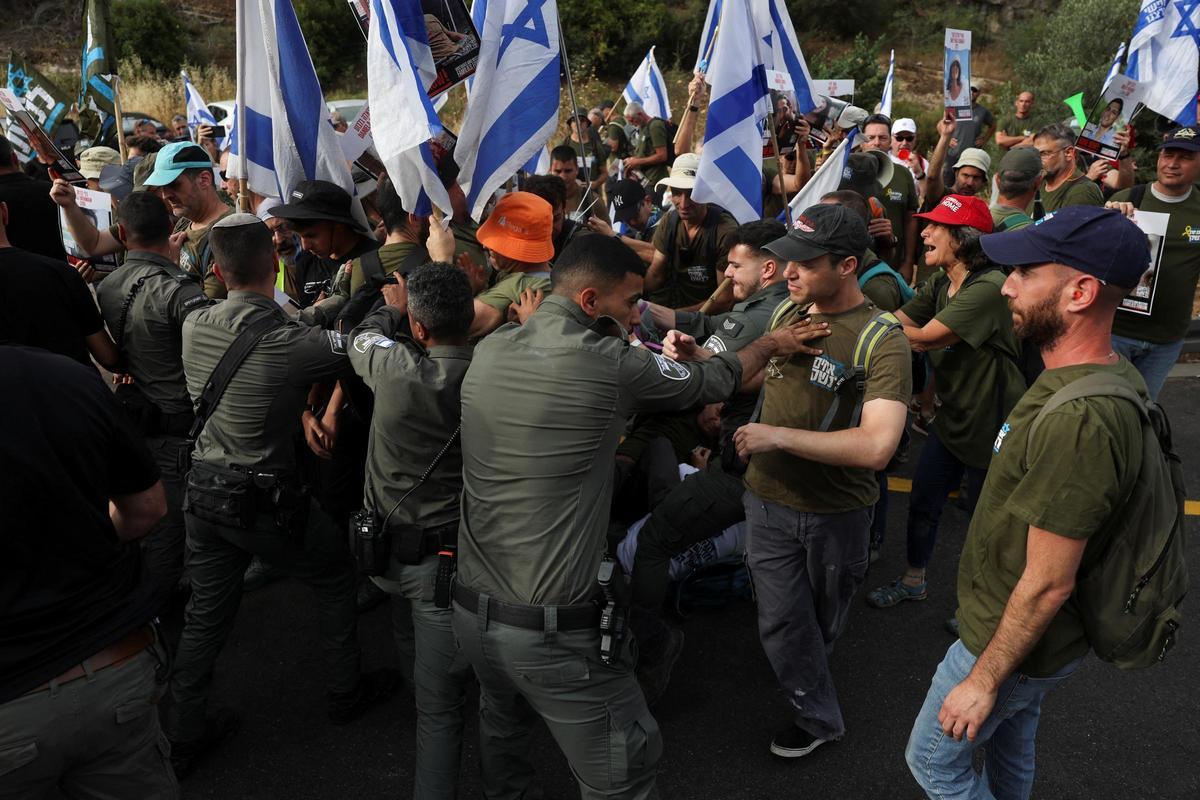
(894, 593)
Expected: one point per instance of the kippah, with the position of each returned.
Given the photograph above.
(237, 220)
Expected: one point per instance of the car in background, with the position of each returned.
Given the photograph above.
(131, 118)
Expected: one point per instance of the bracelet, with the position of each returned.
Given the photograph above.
(695, 109)
(1122, 158)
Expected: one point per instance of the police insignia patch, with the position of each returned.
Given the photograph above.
(337, 342)
(715, 344)
(672, 369)
(364, 341)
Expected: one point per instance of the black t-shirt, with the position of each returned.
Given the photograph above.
(68, 586)
(32, 215)
(45, 304)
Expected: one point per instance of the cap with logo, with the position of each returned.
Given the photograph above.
(1099, 241)
(683, 173)
(173, 159)
(823, 229)
(1185, 138)
(93, 160)
(1023, 163)
(520, 227)
(959, 209)
(319, 201)
(626, 196)
(974, 157)
(904, 125)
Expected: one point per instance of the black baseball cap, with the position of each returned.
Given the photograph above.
(1185, 138)
(823, 229)
(317, 201)
(627, 195)
(1099, 241)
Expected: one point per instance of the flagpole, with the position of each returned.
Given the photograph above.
(116, 80)
(692, 95)
(787, 209)
(562, 50)
(243, 185)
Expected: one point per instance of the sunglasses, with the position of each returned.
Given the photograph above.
(904, 137)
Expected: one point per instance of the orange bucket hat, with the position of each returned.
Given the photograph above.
(521, 227)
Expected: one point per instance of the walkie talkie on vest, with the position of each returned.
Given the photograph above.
(614, 619)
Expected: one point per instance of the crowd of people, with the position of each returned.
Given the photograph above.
(519, 431)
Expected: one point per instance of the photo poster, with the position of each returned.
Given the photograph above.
(1141, 299)
(783, 106)
(47, 152)
(823, 118)
(453, 39)
(98, 207)
(956, 77)
(1109, 117)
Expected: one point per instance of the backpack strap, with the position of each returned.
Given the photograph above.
(227, 367)
(883, 268)
(1137, 194)
(372, 265)
(1096, 384)
(869, 338)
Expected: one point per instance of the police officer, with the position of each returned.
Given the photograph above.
(543, 407)
(144, 304)
(415, 425)
(243, 497)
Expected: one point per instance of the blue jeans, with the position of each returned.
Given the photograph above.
(1154, 361)
(942, 765)
(938, 474)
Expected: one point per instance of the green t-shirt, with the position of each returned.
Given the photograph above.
(596, 157)
(796, 395)
(1160, 308)
(391, 256)
(900, 198)
(694, 267)
(882, 289)
(1009, 219)
(1071, 481)
(654, 134)
(508, 289)
(1012, 125)
(772, 201)
(978, 380)
(191, 254)
(1077, 191)
(614, 131)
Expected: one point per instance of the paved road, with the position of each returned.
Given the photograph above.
(1105, 733)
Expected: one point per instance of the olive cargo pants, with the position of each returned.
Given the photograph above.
(596, 712)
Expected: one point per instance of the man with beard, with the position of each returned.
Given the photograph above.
(305, 276)
(1065, 184)
(1051, 501)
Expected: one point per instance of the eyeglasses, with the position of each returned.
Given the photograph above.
(1047, 153)
(904, 137)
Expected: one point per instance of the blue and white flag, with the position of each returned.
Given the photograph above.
(197, 109)
(285, 127)
(1164, 56)
(1115, 69)
(400, 69)
(783, 53)
(648, 88)
(885, 102)
(730, 171)
(711, 23)
(231, 127)
(827, 179)
(538, 163)
(513, 106)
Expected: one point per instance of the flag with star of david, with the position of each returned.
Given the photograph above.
(513, 105)
(43, 100)
(1164, 56)
(99, 61)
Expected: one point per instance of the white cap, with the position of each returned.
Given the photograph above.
(265, 205)
(974, 157)
(851, 117)
(904, 125)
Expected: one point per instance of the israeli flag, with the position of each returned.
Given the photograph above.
(1164, 55)
(284, 136)
(711, 23)
(400, 70)
(730, 171)
(231, 128)
(197, 109)
(827, 179)
(648, 88)
(513, 107)
(782, 51)
(885, 102)
(538, 163)
(1115, 69)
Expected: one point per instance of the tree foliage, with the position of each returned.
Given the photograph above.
(337, 47)
(150, 31)
(860, 62)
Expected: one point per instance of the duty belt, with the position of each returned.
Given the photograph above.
(569, 618)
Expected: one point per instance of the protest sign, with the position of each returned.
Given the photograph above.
(41, 98)
(835, 88)
(97, 206)
(452, 38)
(38, 139)
(1109, 117)
(956, 77)
(1141, 299)
(357, 137)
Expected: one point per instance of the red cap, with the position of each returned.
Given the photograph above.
(959, 209)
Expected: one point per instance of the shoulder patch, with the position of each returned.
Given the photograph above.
(732, 326)
(672, 369)
(365, 341)
(337, 342)
(715, 344)
(195, 300)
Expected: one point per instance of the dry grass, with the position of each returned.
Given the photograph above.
(162, 98)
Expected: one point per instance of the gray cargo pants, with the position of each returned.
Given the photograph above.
(163, 547)
(437, 671)
(806, 569)
(217, 559)
(595, 712)
(97, 737)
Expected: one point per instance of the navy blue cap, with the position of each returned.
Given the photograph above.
(1185, 138)
(1101, 242)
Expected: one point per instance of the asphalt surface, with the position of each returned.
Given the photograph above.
(1104, 733)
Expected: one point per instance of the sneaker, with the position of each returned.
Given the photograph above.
(374, 688)
(894, 593)
(369, 595)
(217, 728)
(259, 574)
(653, 669)
(795, 742)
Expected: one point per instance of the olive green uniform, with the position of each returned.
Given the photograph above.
(614, 130)
(694, 266)
(1071, 480)
(882, 289)
(593, 162)
(416, 414)
(900, 200)
(144, 304)
(391, 256)
(537, 485)
(196, 257)
(653, 135)
(1009, 219)
(254, 431)
(508, 289)
(1075, 191)
(1012, 125)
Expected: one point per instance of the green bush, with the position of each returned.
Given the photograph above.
(610, 37)
(861, 62)
(150, 31)
(337, 47)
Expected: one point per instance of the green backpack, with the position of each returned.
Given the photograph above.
(1129, 597)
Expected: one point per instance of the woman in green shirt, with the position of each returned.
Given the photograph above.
(960, 319)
